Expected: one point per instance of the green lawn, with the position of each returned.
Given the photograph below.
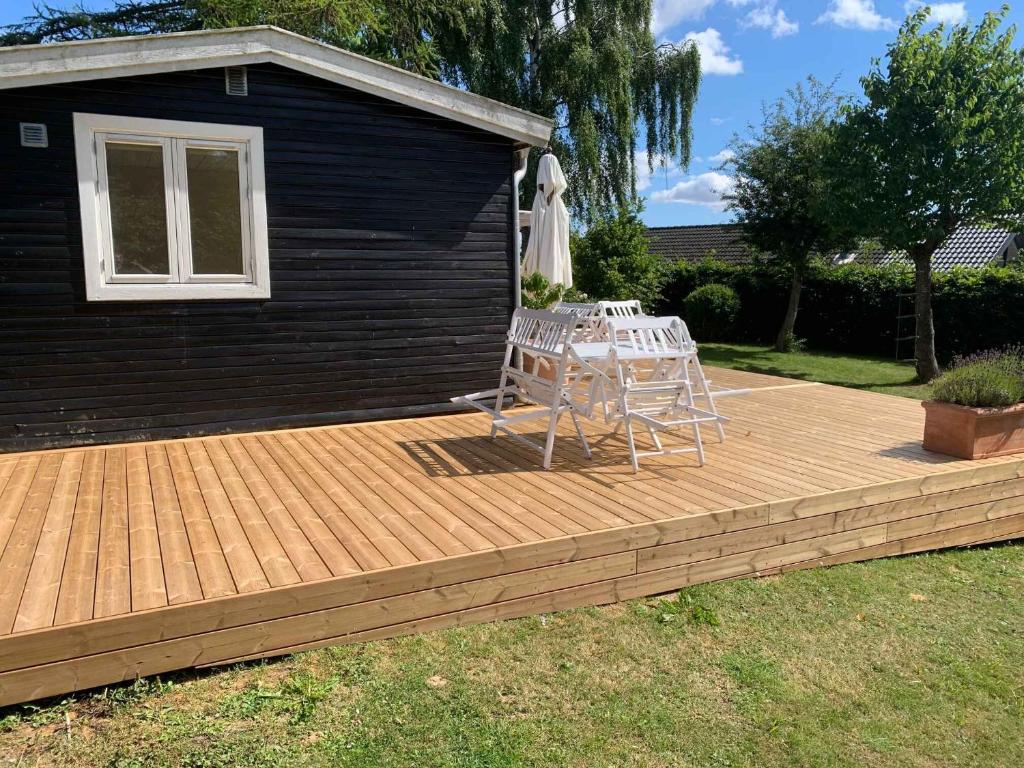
(856, 371)
(917, 661)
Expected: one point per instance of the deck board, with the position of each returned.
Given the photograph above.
(39, 599)
(113, 565)
(225, 481)
(210, 557)
(76, 599)
(181, 577)
(134, 559)
(362, 537)
(148, 586)
(16, 562)
(14, 495)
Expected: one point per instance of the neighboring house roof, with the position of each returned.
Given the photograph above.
(27, 65)
(694, 243)
(966, 247)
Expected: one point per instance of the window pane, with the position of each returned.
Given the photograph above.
(138, 212)
(215, 210)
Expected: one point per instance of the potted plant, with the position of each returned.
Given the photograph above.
(977, 407)
(538, 293)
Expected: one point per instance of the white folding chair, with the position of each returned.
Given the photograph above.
(663, 401)
(541, 337)
(608, 309)
(582, 311)
(586, 315)
(705, 391)
(631, 308)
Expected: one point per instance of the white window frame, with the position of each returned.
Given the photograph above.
(175, 136)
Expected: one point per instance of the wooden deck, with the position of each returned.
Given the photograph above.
(130, 560)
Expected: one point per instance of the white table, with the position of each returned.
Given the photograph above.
(611, 367)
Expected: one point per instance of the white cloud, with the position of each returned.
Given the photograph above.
(718, 120)
(855, 14)
(664, 168)
(705, 189)
(942, 13)
(714, 53)
(723, 156)
(767, 15)
(667, 13)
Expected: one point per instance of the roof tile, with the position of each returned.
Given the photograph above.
(695, 243)
(967, 247)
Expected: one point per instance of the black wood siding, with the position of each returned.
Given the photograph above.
(390, 259)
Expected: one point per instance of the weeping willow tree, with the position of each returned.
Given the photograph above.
(594, 67)
(590, 65)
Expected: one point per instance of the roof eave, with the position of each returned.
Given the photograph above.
(29, 65)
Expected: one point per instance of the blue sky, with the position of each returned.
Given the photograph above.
(753, 50)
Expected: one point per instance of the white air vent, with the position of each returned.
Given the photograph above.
(33, 135)
(236, 81)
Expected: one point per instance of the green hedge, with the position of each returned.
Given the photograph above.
(711, 311)
(854, 308)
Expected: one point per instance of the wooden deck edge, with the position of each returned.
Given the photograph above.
(52, 644)
(141, 628)
(665, 580)
(574, 574)
(893, 490)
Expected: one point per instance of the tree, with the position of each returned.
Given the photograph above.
(938, 143)
(390, 30)
(783, 189)
(590, 65)
(611, 261)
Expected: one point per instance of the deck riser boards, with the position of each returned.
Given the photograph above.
(692, 533)
(978, 505)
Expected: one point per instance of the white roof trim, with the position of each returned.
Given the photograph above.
(28, 65)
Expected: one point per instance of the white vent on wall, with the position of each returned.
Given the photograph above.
(33, 135)
(236, 81)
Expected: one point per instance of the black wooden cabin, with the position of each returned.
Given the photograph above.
(377, 273)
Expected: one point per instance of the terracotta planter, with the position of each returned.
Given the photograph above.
(973, 433)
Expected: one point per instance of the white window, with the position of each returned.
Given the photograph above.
(171, 210)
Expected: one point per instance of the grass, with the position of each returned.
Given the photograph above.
(857, 371)
(914, 661)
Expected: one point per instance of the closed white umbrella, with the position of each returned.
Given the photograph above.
(548, 249)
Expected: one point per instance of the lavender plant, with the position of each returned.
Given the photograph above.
(989, 379)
